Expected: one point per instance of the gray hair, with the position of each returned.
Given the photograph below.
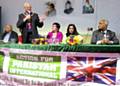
(105, 21)
(27, 4)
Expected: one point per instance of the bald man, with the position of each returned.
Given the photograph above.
(102, 35)
(28, 23)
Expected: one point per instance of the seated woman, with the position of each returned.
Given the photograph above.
(9, 35)
(55, 36)
(72, 31)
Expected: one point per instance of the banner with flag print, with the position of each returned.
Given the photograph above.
(91, 69)
(52, 68)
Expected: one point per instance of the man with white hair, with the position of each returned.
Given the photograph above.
(9, 35)
(28, 23)
(104, 36)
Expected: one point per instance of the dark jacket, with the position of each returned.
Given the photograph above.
(13, 35)
(22, 26)
(98, 35)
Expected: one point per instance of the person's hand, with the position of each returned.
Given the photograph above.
(42, 18)
(105, 41)
(20, 43)
(27, 17)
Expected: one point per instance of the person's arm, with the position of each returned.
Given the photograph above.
(99, 42)
(38, 21)
(60, 37)
(21, 21)
(94, 39)
(114, 39)
(16, 37)
(80, 38)
(48, 35)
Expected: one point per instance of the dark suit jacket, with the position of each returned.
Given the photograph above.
(22, 26)
(98, 35)
(13, 35)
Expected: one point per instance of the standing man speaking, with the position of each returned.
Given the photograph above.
(28, 23)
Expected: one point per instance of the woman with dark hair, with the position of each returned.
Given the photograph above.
(73, 36)
(55, 36)
(71, 30)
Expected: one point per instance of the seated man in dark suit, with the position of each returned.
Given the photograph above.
(9, 35)
(104, 36)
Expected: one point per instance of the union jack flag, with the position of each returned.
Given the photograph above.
(92, 69)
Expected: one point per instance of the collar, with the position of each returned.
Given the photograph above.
(105, 31)
(8, 32)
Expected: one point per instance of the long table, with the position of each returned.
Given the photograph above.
(59, 65)
(67, 48)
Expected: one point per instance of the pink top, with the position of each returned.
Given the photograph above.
(52, 39)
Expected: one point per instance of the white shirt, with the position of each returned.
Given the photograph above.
(105, 36)
(7, 36)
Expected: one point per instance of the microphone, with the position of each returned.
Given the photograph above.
(28, 13)
(90, 29)
(88, 34)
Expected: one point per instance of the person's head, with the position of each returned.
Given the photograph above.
(27, 7)
(55, 27)
(87, 1)
(103, 24)
(71, 30)
(8, 28)
(68, 5)
(51, 6)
